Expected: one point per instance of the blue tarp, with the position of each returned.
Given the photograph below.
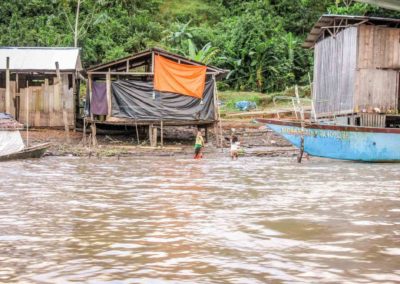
(245, 105)
(4, 115)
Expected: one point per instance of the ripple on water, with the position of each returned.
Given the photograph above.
(166, 220)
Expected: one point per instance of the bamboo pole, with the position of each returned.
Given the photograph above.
(218, 113)
(65, 113)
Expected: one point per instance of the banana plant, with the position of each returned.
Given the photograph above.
(205, 55)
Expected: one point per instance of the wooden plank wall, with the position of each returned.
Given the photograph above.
(379, 47)
(45, 105)
(3, 97)
(334, 73)
(373, 119)
(377, 84)
(376, 88)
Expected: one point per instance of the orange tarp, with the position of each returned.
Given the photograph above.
(183, 79)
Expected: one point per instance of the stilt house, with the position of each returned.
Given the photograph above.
(356, 69)
(153, 89)
(39, 85)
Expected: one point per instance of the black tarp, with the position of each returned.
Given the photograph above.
(137, 100)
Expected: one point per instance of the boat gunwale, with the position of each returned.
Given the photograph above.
(330, 127)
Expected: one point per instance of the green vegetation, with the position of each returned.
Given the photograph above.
(263, 101)
(259, 41)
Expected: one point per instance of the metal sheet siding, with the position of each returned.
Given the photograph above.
(24, 58)
(334, 73)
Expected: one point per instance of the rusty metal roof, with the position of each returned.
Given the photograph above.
(40, 58)
(343, 21)
(145, 56)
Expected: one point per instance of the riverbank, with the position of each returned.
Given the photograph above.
(255, 139)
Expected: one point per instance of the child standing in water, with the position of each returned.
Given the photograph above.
(198, 145)
(234, 147)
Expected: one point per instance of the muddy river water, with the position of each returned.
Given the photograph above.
(169, 220)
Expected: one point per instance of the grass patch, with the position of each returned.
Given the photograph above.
(264, 101)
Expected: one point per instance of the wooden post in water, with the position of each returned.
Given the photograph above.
(64, 102)
(300, 107)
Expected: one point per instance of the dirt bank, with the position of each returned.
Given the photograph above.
(255, 139)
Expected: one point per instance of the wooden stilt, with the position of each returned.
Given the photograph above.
(151, 134)
(206, 134)
(84, 132)
(63, 96)
(108, 88)
(8, 89)
(94, 139)
(137, 132)
(154, 137)
(162, 134)
(218, 113)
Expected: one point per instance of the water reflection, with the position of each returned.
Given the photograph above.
(162, 220)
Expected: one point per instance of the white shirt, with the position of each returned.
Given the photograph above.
(235, 146)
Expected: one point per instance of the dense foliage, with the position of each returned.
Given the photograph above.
(259, 41)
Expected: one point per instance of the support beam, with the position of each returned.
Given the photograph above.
(162, 133)
(8, 91)
(219, 132)
(89, 85)
(108, 90)
(131, 73)
(94, 138)
(154, 136)
(64, 102)
(152, 62)
(150, 133)
(84, 132)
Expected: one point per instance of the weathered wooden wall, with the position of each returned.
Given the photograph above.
(377, 84)
(3, 97)
(45, 104)
(335, 62)
(378, 47)
(376, 88)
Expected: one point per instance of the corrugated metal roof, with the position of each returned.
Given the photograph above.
(40, 58)
(147, 54)
(388, 4)
(344, 21)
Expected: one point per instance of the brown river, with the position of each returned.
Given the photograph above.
(172, 220)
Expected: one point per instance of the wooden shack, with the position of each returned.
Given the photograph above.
(125, 92)
(39, 85)
(356, 69)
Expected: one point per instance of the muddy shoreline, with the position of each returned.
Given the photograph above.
(256, 140)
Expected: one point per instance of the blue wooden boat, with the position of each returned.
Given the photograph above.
(368, 144)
